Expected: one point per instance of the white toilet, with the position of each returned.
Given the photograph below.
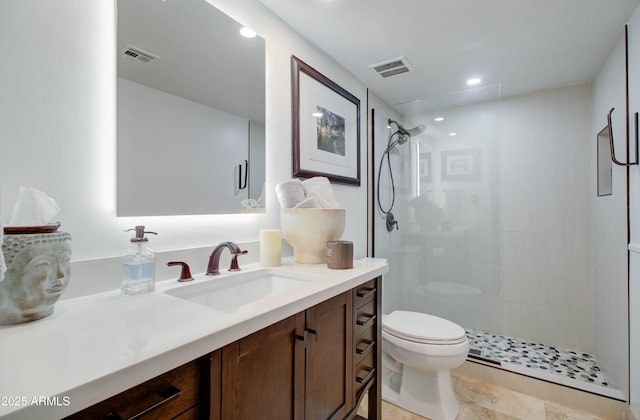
(422, 349)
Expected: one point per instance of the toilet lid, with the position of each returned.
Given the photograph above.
(422, 328)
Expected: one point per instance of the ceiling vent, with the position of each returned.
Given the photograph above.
(135, 53)
(392, 67)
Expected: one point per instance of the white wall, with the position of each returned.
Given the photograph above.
(57, 131)
(545, 177)
(609, 227)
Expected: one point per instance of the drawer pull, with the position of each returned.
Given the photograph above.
(365, 319)
(302, 337)
(367, 345)
(362, 293)
(368, 374)
(167, 395)
(315, 332)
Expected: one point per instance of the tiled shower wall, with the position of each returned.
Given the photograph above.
(545, 187)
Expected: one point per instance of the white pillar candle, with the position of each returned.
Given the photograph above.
(270, 247)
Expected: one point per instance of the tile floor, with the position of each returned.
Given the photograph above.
(483, 401)
(570, 364)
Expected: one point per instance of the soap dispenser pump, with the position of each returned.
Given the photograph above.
(138, 265)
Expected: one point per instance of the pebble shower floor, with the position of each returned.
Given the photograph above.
(499, 348)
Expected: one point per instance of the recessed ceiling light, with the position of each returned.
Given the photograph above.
(438, 119)
(452, 134)
(247, 32)
(474, 81)
(317, 114)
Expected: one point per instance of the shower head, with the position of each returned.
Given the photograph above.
(410, 132)
(403, 134)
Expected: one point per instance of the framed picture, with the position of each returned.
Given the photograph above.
(425, 167)
(326, 127)
(461, 165)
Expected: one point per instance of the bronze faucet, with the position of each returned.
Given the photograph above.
(214, 259)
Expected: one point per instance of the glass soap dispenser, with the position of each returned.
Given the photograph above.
(138, 265)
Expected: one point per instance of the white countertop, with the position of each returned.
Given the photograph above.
(96, 346)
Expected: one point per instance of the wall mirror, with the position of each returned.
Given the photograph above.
(604, 162)
(190, 111)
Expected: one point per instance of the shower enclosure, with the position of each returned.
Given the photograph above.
(493, 226)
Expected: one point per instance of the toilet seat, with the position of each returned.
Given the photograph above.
(423, 328)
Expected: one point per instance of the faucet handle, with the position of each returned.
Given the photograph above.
(185, 274)
(234, 261)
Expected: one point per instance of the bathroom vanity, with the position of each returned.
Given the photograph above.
(296, 341)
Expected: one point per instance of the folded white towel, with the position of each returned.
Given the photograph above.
(320, 188)
(312, 203)
(290, 193)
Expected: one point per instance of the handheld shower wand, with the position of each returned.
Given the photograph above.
(403, 135)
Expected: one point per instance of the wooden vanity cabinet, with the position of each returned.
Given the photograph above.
(316, 364)
(262, 374)
(328, 380)
(367, 347)
(298, 368)
(181, 393)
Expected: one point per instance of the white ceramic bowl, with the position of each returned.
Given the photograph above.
(308, 230)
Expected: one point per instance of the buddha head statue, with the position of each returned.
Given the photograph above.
(38, 271)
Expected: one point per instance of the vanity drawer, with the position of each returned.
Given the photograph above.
(365, 371)
(365, 293)
(365, 317)
(364, 344)
(169, 395)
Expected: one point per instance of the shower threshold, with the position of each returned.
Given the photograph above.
(565, 367)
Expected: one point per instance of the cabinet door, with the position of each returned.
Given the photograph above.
(263, 374)
(328, 390)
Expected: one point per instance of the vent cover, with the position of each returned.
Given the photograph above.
(134, 53)
(392, 67)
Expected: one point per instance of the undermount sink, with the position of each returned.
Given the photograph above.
(230, 294)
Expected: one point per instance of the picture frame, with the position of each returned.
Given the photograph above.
(325, 127)
(461, 165)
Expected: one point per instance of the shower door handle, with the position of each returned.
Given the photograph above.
(241, 185)
(611, 145)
